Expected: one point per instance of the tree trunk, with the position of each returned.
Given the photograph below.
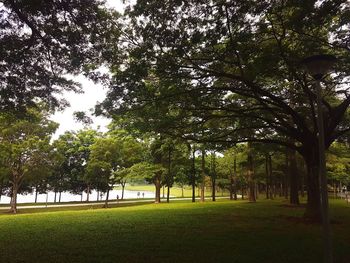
(182, 191)
(286, 176)
(168, 194)
(313, 207)
(193, 175)
(169, 177)
(88, 193)
(231, 186)
(123, 188)
(98, 195)
(59, 197)
(15, 187)
(267, 174)
(250, 174)
(163, 191)
(107, 197)
(203, 176)
(293, 177)
(213, 182)
(158, 187)
(271, 183)
(55, 196)
(36, 194)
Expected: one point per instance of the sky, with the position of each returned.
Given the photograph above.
(93, 93)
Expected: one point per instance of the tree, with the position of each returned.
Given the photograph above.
(25, 147)
(44, 41)
(237, 63)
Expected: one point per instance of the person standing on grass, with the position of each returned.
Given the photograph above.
(138, 194)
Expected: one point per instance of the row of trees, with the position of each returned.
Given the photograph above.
(216, 73)
(89, 160)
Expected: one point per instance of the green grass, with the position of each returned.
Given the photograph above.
(225, 231)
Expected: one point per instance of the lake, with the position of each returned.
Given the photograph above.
(68, 197)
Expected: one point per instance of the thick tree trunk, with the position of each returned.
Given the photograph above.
(158, 186)
(313, 207)
(15, 187)
(250, 174)
(293, 176)
(203, 176)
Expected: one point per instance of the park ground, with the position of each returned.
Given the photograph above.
(181, 231)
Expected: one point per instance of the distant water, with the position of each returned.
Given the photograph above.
(68, 197)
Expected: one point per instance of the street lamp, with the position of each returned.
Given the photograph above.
(318, 66)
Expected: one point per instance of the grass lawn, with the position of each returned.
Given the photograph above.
(225, 231)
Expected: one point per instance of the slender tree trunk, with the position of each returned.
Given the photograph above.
(36, 194)
(168, 194)
(88, 193)
(242, 190)
(193, 174)
(182, 191)
(271, 183)
(169, 179)
(98, 195)
(55, 196)
(203, 176)
(213, 194)
(286, 177)
(231, 186)
(123, 188)
(107, 199)
(59, 197)
(213, 175)
(250, 174)
(267, 173)
(163, 191)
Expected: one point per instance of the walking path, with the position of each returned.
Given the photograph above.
(102, 203)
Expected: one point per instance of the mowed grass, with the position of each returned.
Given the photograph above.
(224, 231)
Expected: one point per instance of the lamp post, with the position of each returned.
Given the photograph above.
(318, 66)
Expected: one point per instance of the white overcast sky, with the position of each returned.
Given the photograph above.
(93, 93)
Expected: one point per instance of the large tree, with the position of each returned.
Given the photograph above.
(42, 41)
(25, 147)
(236, 64)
